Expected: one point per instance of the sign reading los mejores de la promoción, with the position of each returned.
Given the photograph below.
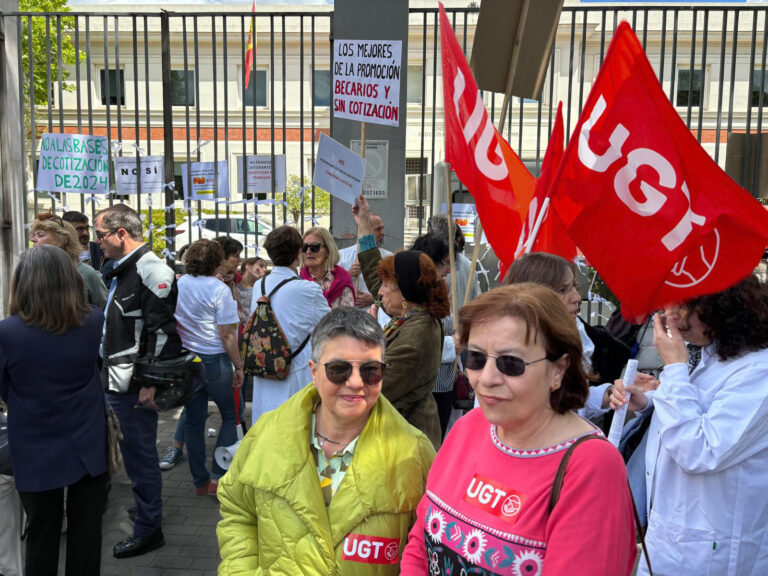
(73, 163)
(366, 80)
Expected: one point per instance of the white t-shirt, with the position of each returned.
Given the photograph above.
(204, 304)
(347, 257)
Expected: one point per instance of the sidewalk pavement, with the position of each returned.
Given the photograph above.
(189, 521)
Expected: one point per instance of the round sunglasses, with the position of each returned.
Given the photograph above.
(339, 371)
(314, 247)
(507, 365)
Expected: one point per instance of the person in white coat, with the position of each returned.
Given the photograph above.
(707, 453)
(298, 307)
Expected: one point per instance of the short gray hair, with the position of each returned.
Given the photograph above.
(121, 216)
(346, 321)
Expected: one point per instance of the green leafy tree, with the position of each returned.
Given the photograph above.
(295, 200)
(158, 221)
(41, 39)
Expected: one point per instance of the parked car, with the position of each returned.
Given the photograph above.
(244, 230)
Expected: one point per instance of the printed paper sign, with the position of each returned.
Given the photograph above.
(366, 80)
(465, 217)
(259, 173)
(127, 170)
(375, 184)
(338, 170)
(73, 163)
(204, 184)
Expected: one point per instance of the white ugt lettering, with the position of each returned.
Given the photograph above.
(491, 170)
(653, 198)
(680, 232)
(617, 139)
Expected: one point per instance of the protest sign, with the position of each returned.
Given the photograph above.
(259, 173)
(338, 170)
(366, 80)
(465, 217)
(376, 168)
(128, 168)
(73, 163)
(204, 185)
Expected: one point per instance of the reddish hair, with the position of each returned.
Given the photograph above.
(437, 303)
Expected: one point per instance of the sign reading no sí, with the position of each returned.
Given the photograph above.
(73, 163)
(366, 80)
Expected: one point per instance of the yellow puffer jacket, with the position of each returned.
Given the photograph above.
(274, 519)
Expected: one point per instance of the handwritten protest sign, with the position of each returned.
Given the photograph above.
(204, 184)
(127, 170)
(366, 80)
(73, 163)
(338, 170)
(259, 173)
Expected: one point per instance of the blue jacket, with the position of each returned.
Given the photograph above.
(57, 426)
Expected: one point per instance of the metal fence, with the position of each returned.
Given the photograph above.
(173, 85)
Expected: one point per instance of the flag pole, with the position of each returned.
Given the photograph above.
(502, 121)
(537, 225)
(362, 140)
(362, 155)
(451, 236)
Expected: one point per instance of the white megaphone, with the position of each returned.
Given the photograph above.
(225, 454)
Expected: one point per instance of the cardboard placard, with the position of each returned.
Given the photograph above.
(73, 163)
(259, 173)
(204, 184)
(338, 170)
(127, 170)
(366, 80)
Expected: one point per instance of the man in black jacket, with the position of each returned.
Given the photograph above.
(139, 324)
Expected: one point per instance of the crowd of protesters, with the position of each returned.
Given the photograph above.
(356, 461)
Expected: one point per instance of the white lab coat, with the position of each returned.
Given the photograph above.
(298, 307)
(707, 468)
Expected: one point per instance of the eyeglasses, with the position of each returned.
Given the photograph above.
(314, 247)
(339, 371)
(101, 235)
(508, 365)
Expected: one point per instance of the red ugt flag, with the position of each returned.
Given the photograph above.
(249, 51)
(552, 236)
(498, 180)
(648, 207)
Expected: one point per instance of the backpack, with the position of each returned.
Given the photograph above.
(264, 348)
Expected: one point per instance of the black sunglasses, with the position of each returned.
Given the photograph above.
(339, 371)
(314, 247)
(508, 365)
(101, 235)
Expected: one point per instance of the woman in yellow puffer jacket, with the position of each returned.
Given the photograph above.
(329, 482)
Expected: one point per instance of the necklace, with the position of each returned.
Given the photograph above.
(322, 438)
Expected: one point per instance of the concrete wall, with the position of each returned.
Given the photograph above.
(375, 20)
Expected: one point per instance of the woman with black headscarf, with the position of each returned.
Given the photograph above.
(410, 291)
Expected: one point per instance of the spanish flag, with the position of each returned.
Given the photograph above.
(250, 51)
